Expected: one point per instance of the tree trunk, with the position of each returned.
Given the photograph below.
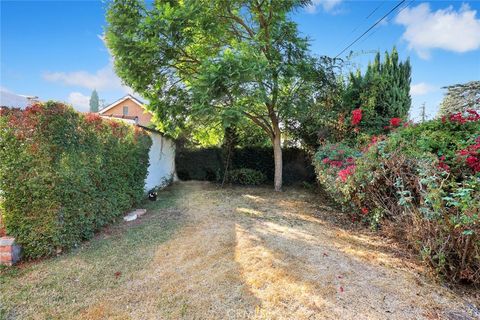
(277, 155)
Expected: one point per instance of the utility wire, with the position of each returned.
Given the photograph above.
(373, 26)
(378, 27)
(359, 25)
(406, 6)
(375, 10)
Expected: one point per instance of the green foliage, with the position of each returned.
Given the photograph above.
(247, 177)
(199, 164)
(382, 93)
(64, 175)
(209, 163)
(418, 181)
(214, 62)
(94, 102)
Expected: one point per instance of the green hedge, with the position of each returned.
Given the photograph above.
(246, 177)
(208, 164)
(64, 175)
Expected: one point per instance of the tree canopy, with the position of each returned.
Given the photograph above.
(461, 97)
(215, 61)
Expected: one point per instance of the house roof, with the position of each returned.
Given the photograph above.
(128, 96)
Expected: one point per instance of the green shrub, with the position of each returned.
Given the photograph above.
(64, 175)
(424, 182)
(247, 177)
(209, 163)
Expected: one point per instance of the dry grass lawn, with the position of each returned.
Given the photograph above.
(238, 253)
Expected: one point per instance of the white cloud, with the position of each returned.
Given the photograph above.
(103, 79)
(421, 88)
(327, 5)
(4, 89)
(79, 101)
(447, 29)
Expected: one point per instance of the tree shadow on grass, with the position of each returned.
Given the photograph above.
(345, 275)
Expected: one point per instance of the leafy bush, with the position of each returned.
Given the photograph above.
(209, 163)
(423, 181)
(248, 177)
(64, 175)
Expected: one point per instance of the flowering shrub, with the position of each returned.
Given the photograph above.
(356, 117)
(472, 155)
(424, 182)
(64, 175)
(395, 122)
(459, 117)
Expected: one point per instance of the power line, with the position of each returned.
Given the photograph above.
(373, 26)
(359, 25)
(406, 6)
(374, 10)
(378, 27)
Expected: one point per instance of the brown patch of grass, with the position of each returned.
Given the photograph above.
(241, 253)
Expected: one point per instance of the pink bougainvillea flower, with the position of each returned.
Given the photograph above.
(326, 160)
(472, 155)
(442, 165)
(395, 122)
(356, 116)
(474, 163)
(336, 163)
(345, 173)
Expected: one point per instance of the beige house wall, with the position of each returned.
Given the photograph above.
(144, 117)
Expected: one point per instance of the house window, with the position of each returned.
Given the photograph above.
(125, 111)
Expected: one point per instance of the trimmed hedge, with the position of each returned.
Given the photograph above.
(64, 175)
(208, 164)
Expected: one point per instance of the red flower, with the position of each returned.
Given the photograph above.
(326, 160)
(474, 163)
(336, 163)
(365, 210)
(345, 173)
(442, 165)
(472, 154)
(356, 116)
(395, 122)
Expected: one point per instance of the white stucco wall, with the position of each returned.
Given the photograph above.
(162, 161)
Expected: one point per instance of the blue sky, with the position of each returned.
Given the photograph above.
(53, 49)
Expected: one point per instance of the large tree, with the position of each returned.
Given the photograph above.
(383, 92)
(460, 98)
(206, 61)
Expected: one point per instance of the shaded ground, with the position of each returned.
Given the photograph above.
(206, 253)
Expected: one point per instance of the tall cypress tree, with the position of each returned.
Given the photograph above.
(94, 101)
(383, 92)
